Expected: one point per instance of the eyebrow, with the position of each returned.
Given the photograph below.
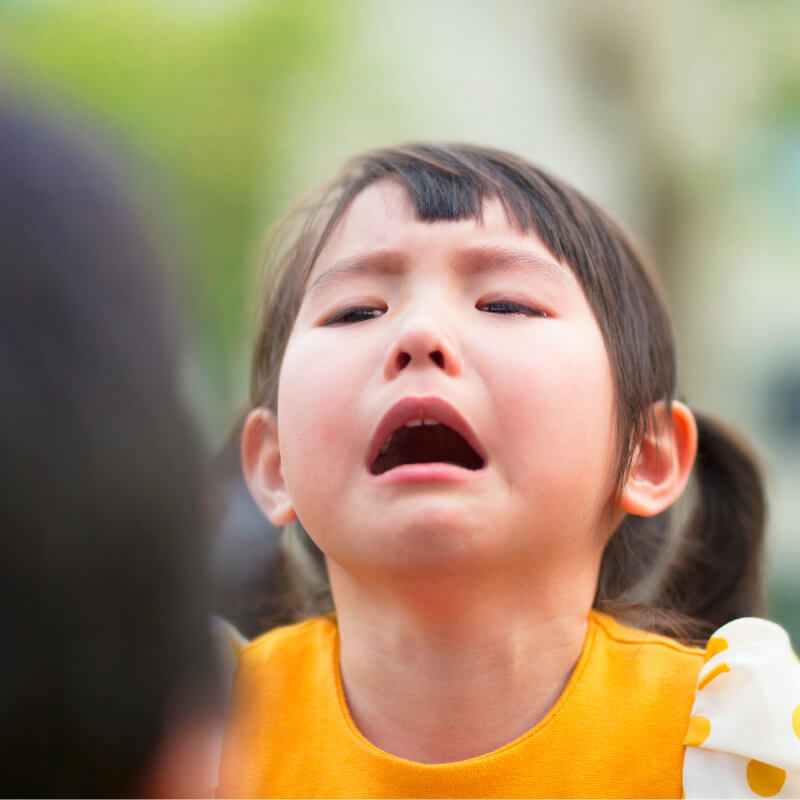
(475, 259)
(385, 262)
(487, 258)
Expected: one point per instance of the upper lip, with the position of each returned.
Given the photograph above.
(412, 408)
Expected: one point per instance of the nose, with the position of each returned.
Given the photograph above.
(422, 343)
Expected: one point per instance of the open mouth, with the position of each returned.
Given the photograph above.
(425, 441)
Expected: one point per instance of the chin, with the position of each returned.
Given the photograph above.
(434, 541)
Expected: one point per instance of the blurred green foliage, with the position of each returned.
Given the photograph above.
(197, 93)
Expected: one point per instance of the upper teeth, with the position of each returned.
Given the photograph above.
(412, 423)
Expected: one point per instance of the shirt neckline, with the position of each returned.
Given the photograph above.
(557, 708)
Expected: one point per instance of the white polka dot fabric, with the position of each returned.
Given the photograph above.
(743, 738)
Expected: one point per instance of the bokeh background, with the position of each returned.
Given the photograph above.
(682, 118)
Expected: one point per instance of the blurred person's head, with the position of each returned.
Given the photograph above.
(106, 673)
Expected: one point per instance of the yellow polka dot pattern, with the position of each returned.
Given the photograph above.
(699, 728)
(711, 674)
(739, 724)
(764, 779)
(716, 644)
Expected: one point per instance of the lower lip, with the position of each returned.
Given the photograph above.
(426, 473)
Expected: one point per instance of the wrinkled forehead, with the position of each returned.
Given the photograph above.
(373, 216)
(383, 217)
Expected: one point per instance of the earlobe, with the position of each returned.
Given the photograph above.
(261, 464)
(663, 463)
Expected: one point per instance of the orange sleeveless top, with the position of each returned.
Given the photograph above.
(616, 731)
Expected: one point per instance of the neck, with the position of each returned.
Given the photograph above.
(471, 667)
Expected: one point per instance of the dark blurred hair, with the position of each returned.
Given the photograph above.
(710, 570)
(102, 529)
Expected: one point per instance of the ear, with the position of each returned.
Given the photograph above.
(663, 462)
(261, 464)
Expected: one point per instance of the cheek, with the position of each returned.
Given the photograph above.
(562, 405)
(307, 402)
(317, 397)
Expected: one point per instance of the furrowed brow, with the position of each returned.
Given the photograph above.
(503, 259)
(380, 262)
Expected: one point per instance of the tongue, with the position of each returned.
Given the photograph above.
(427, 444)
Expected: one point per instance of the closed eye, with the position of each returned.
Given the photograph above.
(349, 316)
(510, 307)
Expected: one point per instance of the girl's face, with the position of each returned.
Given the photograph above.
(446, 398)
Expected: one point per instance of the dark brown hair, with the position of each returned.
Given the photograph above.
(103, 575)
(706, 570)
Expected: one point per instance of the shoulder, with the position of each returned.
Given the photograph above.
(652, 678)
(300, 634)
(282, 669)
(652, 647)
(625, 634)
(284, 674)
(292, 647)
(743, 736)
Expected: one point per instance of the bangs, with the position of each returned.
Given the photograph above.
(452, 183)
(441, 196)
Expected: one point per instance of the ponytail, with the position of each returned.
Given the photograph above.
(716, 572)
(690, 579)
